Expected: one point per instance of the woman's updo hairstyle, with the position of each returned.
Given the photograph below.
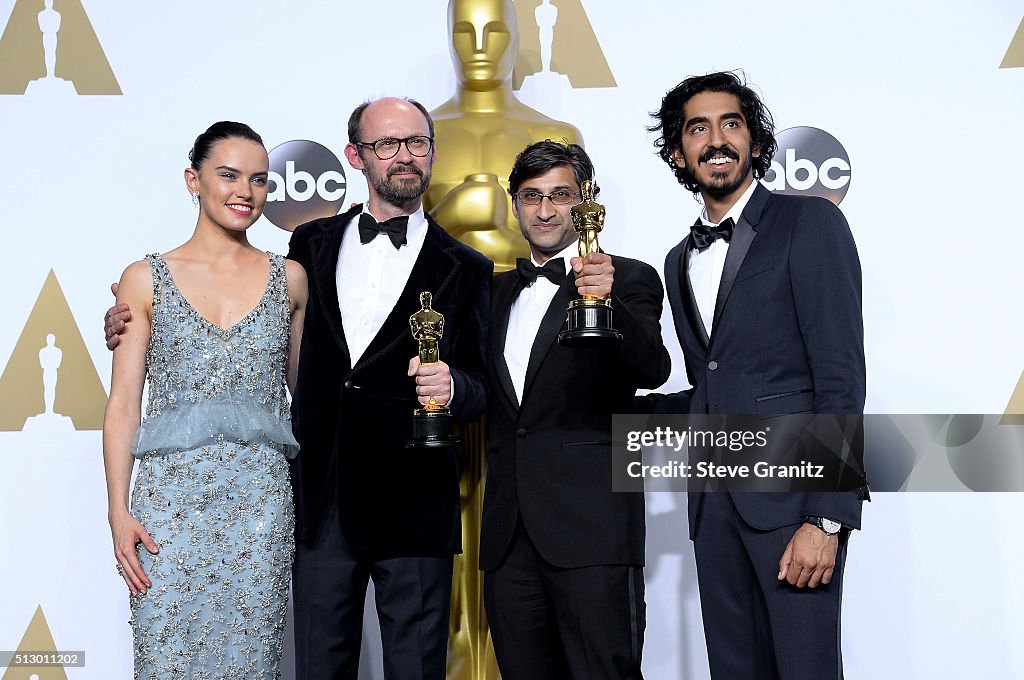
(224, 129)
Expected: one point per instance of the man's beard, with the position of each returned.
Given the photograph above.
(720, 185)
(399, 192)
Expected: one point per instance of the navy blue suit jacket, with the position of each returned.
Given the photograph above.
(787, 337)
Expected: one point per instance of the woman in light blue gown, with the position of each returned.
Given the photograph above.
(206, 545)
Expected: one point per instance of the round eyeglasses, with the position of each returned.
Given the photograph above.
(558, 197)
(387, 148)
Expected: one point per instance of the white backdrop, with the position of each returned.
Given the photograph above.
(912, 90)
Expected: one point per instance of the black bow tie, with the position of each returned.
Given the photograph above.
(553, 270)
(704, 236)
(395, 228)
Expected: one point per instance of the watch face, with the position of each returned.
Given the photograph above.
(830, 526)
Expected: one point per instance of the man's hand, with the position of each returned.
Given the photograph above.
(114, 321)
(594, 274)
(809, 558)
(432, 380)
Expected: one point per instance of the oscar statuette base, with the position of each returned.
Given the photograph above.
(432, 429)
(588, 323)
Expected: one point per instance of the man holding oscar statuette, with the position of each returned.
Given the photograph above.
(367, 506)
(563, 554)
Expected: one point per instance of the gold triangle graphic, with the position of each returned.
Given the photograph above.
(79, 56)
(37, 638)
(21, 48)
(50, 363)
(575, 50)
(1014, 414)
(1014, 57)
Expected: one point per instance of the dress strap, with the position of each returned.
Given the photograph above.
(158, 268)
(278, 280)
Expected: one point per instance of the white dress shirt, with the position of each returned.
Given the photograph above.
(705, 268)
(524, 320)
(371, 277)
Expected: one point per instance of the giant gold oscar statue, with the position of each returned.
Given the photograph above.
(479, 132)
(481, 129)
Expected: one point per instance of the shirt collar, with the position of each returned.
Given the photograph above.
(735, 211)
(570, 251)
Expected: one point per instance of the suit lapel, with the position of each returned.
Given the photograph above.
(325, 247)
(506, 291)
(433, 258)
(680, 294)
(691, 300)
(742, 237)
(547, 334)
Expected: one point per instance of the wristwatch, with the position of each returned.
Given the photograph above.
(829, 526)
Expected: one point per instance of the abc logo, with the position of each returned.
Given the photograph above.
(307, 181)
(813, 163)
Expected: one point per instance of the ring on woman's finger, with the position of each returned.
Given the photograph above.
(120, 570)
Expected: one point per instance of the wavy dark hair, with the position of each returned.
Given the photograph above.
(540, 157)
(670, 121)
(225, 129)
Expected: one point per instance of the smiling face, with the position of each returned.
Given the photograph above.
(716, 146)
(547, 227)
(231, 183)
(400, 181)
(484, 41)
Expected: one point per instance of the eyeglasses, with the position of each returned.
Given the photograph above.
(387, 148)
(558, 197)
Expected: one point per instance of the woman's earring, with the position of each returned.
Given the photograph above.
(195, 199)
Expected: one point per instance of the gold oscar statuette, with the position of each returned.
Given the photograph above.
(588, 319)
(432, 424)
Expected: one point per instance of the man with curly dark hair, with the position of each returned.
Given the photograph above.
(765, 293)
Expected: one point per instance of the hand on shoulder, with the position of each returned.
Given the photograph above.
(133, 293)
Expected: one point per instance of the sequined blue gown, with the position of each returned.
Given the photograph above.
(213, 489)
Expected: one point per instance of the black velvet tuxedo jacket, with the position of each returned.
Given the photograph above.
(352, 422)
(549, 460)
(787, 336)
